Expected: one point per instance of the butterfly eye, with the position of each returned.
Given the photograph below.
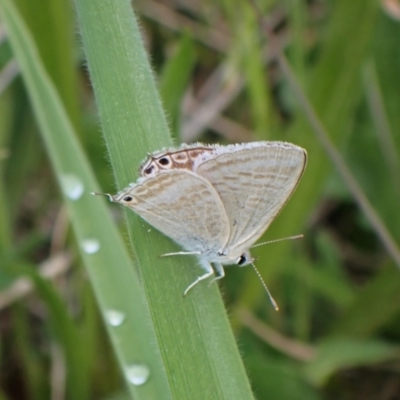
(242, 260)
(127, 199)
(163, 161)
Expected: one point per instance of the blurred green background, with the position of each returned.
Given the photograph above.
(337, 333)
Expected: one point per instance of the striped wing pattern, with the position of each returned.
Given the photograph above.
(183, 206)
(254, 185)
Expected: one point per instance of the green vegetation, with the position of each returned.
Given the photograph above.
(88, 309)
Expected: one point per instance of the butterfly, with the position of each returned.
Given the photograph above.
(215, 201)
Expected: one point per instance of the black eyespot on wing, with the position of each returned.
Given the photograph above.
(163, 161)
(128, 198)
(149, 170)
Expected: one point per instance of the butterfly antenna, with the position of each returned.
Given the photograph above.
(102, 194)
(278, 240)
(274, 303)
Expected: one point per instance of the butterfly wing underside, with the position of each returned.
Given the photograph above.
(254, 184)
(183, 206)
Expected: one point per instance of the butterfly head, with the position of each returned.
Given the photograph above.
(240, 259)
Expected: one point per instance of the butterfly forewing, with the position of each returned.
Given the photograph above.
(254, 183)
(183, 206)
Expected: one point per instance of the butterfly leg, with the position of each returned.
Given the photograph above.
(220, 272)
(209, 272)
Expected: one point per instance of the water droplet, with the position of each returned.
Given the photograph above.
(114, 317)
(72, 186)
(137, 374)
(90, 246)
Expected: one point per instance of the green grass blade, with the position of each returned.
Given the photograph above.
(115, 283)
(195, 339)
(55, 18)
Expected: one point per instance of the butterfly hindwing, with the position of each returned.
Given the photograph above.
(254, 183)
